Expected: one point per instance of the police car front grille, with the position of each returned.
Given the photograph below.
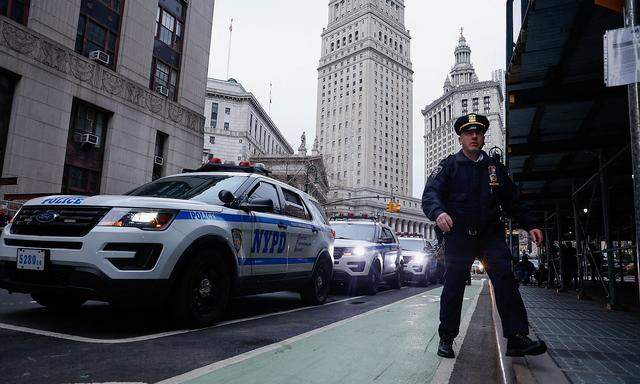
(337, 253)
(407, 259)
(71, 222)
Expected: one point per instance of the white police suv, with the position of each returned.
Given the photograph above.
(188, 241)
(365, 252)
(418, 257)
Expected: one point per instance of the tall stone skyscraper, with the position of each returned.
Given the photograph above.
(365, 90)
(364, 122)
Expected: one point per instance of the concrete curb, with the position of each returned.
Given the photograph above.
(525, 370)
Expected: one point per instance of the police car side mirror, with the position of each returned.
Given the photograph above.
(258, 205)
(226, 196)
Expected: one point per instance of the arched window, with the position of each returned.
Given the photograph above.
(344, 40)
(380, 36)
(356, 35)
(385, 39)
(332, 47)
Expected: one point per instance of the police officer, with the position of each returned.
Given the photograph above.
(467, 195)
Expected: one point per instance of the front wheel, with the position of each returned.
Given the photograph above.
(373, 279)
(58, 302)
(316, 291)
(396, 280)
(203, 291)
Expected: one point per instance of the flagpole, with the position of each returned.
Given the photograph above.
(270, 88)
(229, 52)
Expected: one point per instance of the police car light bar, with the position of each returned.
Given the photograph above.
(216, 165)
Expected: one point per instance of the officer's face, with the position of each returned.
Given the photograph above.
(472, 141)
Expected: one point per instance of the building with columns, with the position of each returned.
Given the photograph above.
(100, 96)
(364, 109)
(462, 93)
(236, 126)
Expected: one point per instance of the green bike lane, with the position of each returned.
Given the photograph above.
(395, 343)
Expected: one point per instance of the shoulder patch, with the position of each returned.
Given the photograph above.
(435, 171)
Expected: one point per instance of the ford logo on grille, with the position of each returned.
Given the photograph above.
(47, 217)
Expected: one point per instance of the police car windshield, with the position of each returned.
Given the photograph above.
(203, 188)
(412, 244)
(354, 231)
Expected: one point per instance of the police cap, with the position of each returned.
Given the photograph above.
(471, 122)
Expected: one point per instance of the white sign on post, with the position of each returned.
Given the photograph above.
(622, 56)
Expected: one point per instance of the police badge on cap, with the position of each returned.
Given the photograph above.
(471, 122)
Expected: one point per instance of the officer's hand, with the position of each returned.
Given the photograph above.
(444, 222)
(536, 236)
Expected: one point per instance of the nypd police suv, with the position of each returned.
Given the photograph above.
(366, 252)
(189, 241)
(420, 265)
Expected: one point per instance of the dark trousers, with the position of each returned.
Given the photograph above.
(492, 251)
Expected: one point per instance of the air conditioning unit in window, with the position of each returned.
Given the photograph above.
(161, 89)
(158, 160)
(88, 138)
(99, 56)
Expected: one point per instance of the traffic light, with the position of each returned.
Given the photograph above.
(390, 206)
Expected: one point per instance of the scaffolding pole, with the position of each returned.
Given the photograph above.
(604, 195)
(631, 20)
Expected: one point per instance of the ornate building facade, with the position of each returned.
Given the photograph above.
(100, 96)
(364, 110)
(237, 127)
(463, 93)
(302, 171)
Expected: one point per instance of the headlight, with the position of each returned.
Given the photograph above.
(357, 251)
(419, 258)
(147, 219)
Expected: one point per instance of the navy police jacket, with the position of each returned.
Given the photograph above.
(474, 194)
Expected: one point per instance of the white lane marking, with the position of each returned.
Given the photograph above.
(445, 368)
(247, 355)
(156, 335)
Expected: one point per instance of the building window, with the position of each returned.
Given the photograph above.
(464, 107)
(212, 139)
(227, 111)
(18, 10)
(170, 24)
(85, 149)
(159, 155)
(487, 104)
(167, 48)
(99, 30)
(214, 115)
(164, 79)
(226, 126)
(475, 105)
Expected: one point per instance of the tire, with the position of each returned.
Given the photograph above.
(58, 302)
(396, 281)
(316, 291)
(203, 291)
(425, 281)
(373, 279)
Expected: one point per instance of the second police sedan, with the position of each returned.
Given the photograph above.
(365, 253)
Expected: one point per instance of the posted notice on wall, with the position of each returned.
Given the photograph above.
(622, 56)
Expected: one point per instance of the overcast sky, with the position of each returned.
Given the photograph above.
(278, 41)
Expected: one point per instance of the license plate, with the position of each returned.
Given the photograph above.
(32, 259)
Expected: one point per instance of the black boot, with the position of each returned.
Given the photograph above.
(520, 345)
(445, 348)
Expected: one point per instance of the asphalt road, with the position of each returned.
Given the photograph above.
(100, 344)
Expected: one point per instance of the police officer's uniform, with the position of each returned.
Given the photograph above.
(476, 194)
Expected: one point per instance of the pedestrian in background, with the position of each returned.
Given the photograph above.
(467, 195)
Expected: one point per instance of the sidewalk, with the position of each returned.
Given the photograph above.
(587, 342)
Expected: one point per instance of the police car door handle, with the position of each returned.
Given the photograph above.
(282, 225)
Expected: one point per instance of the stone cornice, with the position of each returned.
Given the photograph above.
(36, 48)
(366, 9)
(461, 88)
